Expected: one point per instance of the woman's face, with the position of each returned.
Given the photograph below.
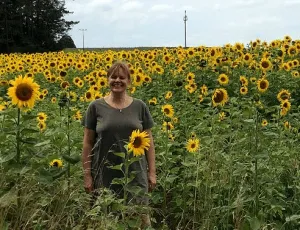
(118, 81)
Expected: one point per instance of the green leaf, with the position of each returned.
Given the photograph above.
(121, 154)
(118, 181)
(42, 143)
(134, 159)
(117, 167)
(27, 130)
(29, 140)
(292, 218)
(8, 199)
(71, 159)
(58, 175)
(134, 223)
(249, 120)
(8, 157)
(28, 117)
(255, 223)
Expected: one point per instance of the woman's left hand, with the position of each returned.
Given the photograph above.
(151, 181)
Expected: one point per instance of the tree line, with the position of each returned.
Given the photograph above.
(34, 26)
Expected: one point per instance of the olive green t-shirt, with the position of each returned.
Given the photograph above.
(113, 128)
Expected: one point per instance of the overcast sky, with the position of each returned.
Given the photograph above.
(134, 23)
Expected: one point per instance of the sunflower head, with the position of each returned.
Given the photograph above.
(219, 97)
(56, 163)
(262, 85)
(138, 142)
(23, 92)
(193, 145)
(223, 79)
(168, 110)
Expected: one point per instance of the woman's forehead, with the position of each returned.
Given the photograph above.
(119, 72)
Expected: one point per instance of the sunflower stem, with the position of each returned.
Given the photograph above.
(126, 177)
(256, 165)
(69, 144)
(18, 159)
(195, 192)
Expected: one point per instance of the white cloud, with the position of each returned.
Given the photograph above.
(161, 7)
(160, 22)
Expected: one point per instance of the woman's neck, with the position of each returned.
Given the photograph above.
(118, 97)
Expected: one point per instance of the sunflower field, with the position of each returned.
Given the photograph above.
(227, 122)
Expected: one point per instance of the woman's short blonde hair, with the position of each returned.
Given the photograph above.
(117, 65)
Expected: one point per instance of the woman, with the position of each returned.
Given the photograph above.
(108, 123)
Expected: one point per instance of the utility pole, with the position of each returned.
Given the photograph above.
(185, 18)
(83, 37)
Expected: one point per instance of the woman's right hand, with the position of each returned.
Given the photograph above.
(88, 183)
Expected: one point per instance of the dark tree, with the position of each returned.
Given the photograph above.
(65, 42)
(32, 25)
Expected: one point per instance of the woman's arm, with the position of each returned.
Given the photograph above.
(151, 162)
(88, 143)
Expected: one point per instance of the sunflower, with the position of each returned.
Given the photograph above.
(201, 98)
(253, 80)
(287, 125)
(264, 123)
(262, 85)
(168, 95)
(65, 85)
(223, 79)
(243, 81)
(53, 100)
(168, 110)
(41, 125)
(285, 105)
(204, 90)
(23, 92)
(41, 117)
(219, 97)
(167, 126)
(193, 145)
(138, 142)
(190, 77)
(222, 116)
(265, 64)
(89, 96)
(56, 163)
(2, 107)
(283, 95)
(295, 74)
(243, 90)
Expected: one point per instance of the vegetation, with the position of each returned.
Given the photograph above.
(226, 136)
(33, 26)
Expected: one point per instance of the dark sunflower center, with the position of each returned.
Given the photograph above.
(284, 96)
(193, 145)
(24, 92)
(102, 83)
(55, 164)
(223, 79)
(285, 105)
(166, 111)
(263, 85)
(137, 142)
(65, 84)
(138, 79)
(265, 64)
(88, 95)
(219, 97)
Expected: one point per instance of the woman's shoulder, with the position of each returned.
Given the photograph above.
(97, 102)
(139, 101)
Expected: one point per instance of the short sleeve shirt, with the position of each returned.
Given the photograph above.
(113, 128)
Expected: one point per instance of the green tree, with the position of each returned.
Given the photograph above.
(32, 25)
